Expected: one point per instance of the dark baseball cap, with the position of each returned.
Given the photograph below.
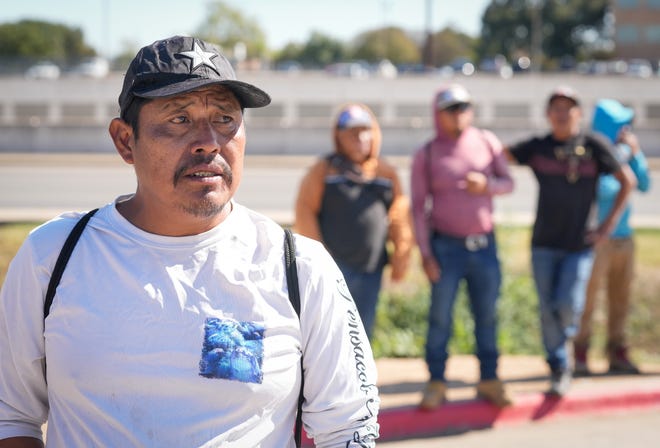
(182, 64)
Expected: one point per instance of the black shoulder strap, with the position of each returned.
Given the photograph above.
(291, 270)
(63, 259)
(294, 297)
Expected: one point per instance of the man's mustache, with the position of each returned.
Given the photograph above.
(211, 162)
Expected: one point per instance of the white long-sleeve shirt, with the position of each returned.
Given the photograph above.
(157, 341)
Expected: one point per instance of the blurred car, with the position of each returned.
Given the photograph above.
(567, 63)
(409, 68)
(617, 67)
(358, 70)
(385, 69)
(593, 68)
(640, 68)
(43, 70)
(498, 65)
(462, 66)
(289, 66)
(96, 67)
(522, 64)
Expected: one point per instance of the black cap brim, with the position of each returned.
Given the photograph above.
(248, 95)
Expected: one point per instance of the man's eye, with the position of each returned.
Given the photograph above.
(180, 119)
(224, 119)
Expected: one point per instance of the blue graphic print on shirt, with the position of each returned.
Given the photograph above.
(232, 350)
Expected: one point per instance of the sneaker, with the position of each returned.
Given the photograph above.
(620, 363)
(494, 392)
(580, 367)
(560, 382)
(434, 395)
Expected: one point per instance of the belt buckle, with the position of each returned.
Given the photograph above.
(475, 242)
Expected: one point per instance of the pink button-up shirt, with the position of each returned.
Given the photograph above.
(438, 180)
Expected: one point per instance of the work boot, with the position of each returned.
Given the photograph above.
(580, 367)
(434, 395)
(560, 382)
(619, 361)
(493, 391)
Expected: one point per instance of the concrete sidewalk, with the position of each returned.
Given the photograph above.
(401, 382)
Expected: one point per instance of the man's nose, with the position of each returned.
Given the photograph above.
(207, 138)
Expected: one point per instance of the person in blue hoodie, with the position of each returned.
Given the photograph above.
(614, 257)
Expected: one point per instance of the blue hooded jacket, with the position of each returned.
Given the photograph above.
(609, 117)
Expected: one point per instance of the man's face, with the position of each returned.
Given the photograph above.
(455, 119)
(189, 155)
(564, 116)
(355, 143)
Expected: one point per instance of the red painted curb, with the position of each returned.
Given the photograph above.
(461, 416)
(477, 414)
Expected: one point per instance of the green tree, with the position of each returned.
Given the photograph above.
(579, 25)
(550, 29)
(450, 44)
(228, 28)
(386, 43)
(30, 40)
(290, 52)
(321, 50)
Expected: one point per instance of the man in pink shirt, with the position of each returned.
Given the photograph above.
(454, 178)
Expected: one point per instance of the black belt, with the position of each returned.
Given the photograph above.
(471, 242)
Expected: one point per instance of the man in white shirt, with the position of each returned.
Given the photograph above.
(172, 324)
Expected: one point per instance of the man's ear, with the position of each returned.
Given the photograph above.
(122, 136)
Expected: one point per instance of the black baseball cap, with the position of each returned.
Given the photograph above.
(181, 64)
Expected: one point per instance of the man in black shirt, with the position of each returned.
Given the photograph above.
(566, 163)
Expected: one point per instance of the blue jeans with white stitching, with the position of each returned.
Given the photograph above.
(561, 279)
(480, 269)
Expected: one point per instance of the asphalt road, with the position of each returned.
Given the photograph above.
(40, 186)
(629, 429)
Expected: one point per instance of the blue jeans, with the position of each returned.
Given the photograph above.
(561, 279)
(364, 287)
(481, 271)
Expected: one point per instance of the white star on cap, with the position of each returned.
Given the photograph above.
(199, 57)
